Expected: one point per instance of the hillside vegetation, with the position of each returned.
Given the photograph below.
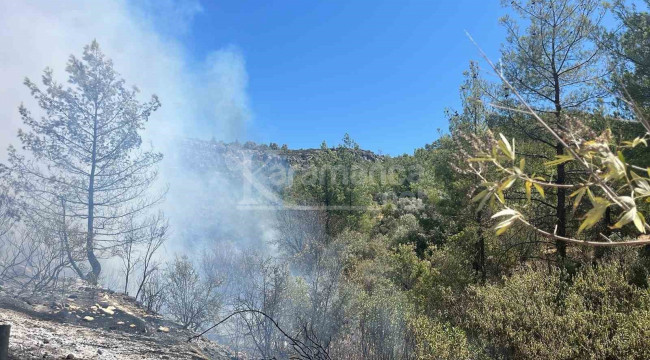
(520, 233)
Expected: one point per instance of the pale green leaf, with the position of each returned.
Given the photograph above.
(578, 197)
(484, 201)
(594, 215)
(539, 189)
(505, 212)
(500, 196)
(508, 182)
(639, 222)
(503, 227)
(505, 147)
(559, 159)
(480, 195)
(626, 218)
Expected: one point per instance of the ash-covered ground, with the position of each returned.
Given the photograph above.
(85, 322)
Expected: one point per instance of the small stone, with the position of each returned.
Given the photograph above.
(132, 325)
(99, 351)
(120, 323)
(46, 341)
(70, 356)
(88, 318)
(164, 329)
(109, 310)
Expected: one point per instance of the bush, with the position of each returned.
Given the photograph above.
(539, 315)
(190, 300)
(377, 326)
(437, 341)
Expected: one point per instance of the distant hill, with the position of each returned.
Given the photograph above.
(218, 154)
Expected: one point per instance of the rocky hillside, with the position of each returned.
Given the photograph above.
(217, 154)
(85, 322)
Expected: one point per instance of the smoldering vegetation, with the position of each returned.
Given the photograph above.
(224, 235)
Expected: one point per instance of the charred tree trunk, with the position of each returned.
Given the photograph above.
(66, 243)
(4, 341)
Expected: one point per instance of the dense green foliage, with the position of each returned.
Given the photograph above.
(538, 314)
(428, 277)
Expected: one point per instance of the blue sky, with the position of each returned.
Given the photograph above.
(383, 71)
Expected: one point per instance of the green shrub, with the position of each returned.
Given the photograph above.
(437, 341)
(536, 315)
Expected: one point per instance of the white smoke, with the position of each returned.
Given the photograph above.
(38, 34)
(225, 99)
(203, 98)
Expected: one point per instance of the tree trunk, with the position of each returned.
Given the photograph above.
(90, 238)
(481, 238)
(66, 244)
(126, 283)
(4, 341)
(480, 255)
(599, 252)
(560, 212)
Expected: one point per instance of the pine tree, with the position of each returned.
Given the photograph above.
(86, 164)
(555, 65)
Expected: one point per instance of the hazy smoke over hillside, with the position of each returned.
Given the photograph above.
(205, 98)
